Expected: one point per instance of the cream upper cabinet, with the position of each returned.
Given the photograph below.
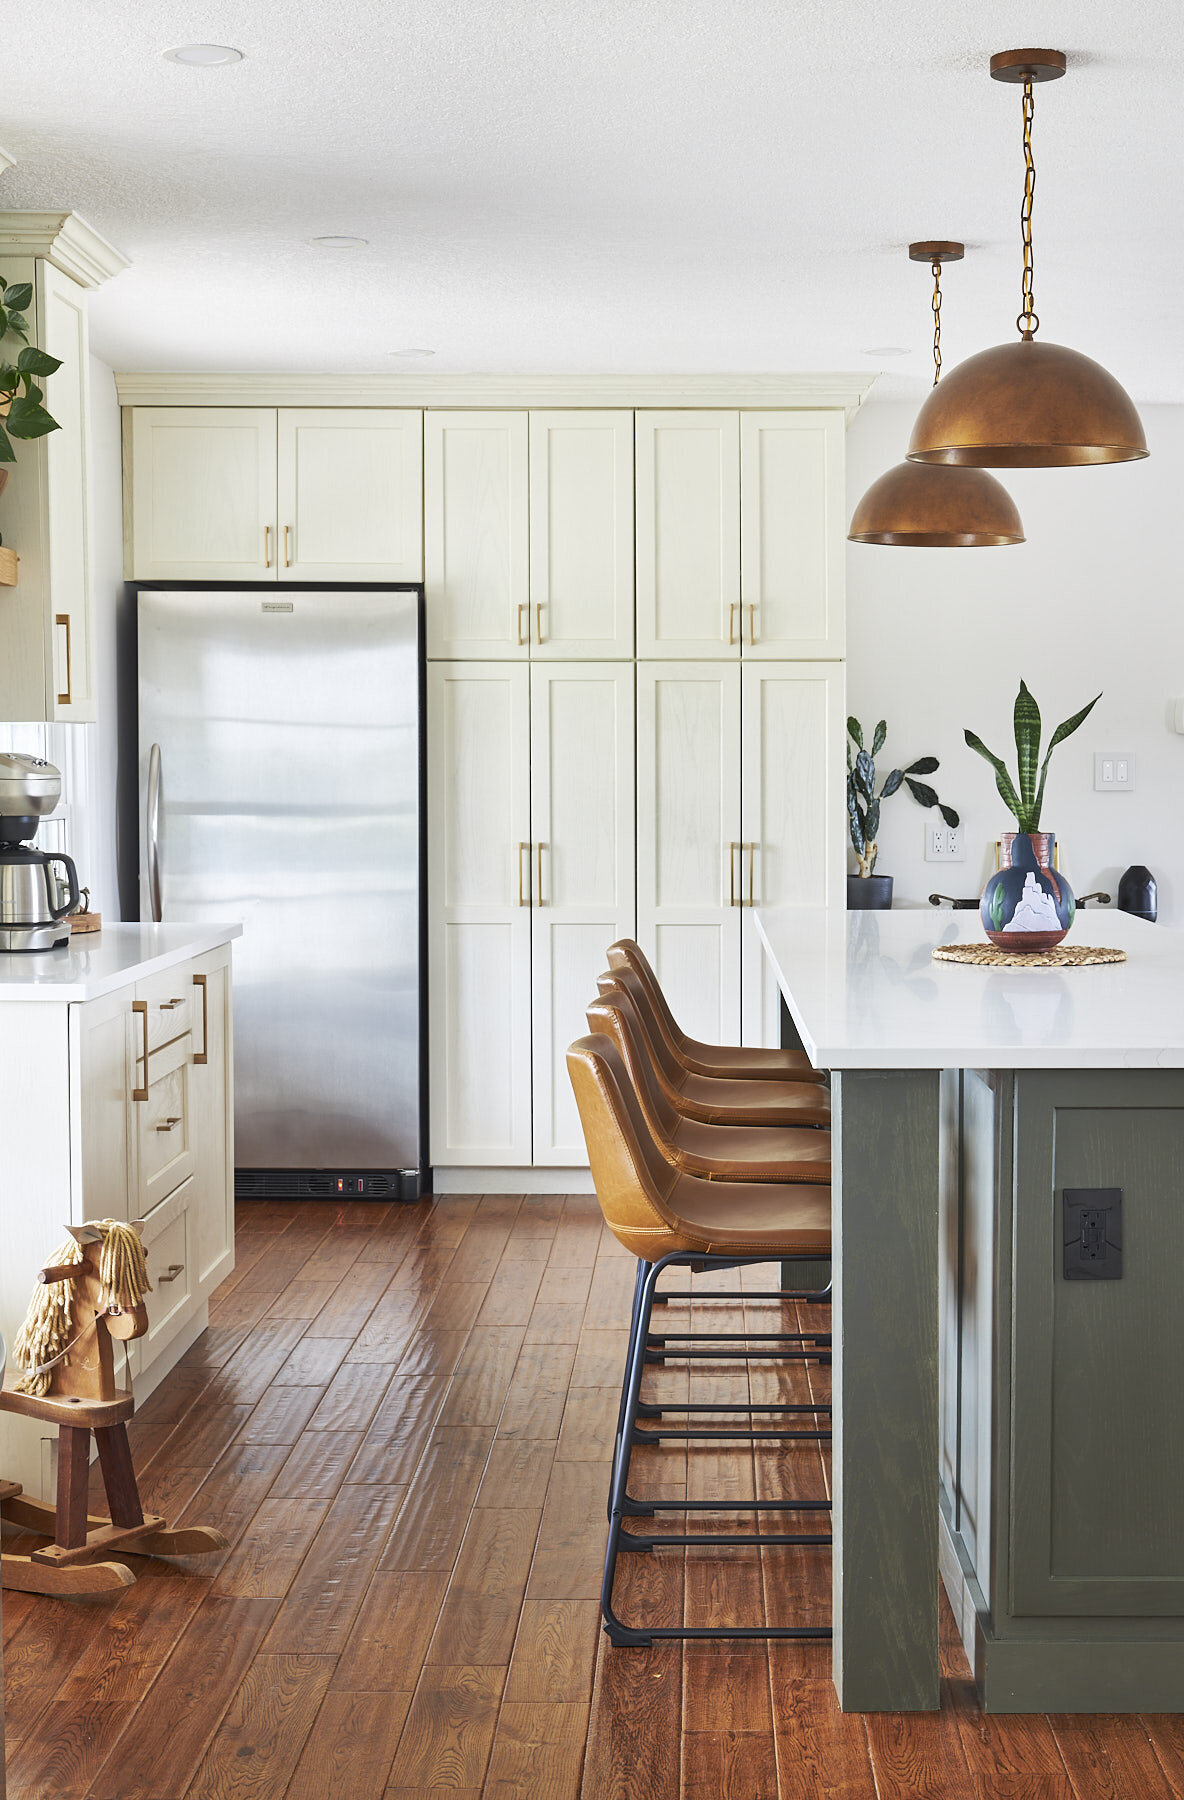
(792, 534)
(793, 821)
(476, 534)
(350, 494)
(581, 534)
(480, 874)
(582, 822)
(202, 494)
(688, 534)
(689, 863)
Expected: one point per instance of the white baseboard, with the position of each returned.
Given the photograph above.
(512, 1181)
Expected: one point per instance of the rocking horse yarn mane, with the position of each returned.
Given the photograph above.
(45, 1335)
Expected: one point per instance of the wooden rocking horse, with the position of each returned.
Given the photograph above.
(94, 1293)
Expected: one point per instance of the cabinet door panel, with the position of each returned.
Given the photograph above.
(582, 814)
(688, 822)
(169, 1245)
(688, 534)
(203, 493)
(581, 534)
(476, 532)
(350, 494)
(793, 813)
(105, 1155)
(212, 1092)
(792, 544)
(479, 912)
(61, 330)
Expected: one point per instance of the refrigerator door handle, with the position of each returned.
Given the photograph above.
(154, 832)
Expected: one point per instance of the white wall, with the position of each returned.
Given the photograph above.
(938, 640)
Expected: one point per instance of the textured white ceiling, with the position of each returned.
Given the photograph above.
(579, 185)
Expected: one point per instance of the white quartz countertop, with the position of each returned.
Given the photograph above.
(865, 993)
(95, 963)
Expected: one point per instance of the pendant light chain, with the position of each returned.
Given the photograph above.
(936, 304)
(1028, 323)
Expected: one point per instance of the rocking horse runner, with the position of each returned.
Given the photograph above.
(91, 1294)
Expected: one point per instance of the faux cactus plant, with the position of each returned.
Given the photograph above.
(1024, 803)
(863, 801)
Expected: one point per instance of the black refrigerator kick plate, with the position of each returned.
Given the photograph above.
(327, 1184)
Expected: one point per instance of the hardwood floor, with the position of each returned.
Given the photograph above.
(401, 1418)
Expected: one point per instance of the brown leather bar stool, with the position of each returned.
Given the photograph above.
(732, 1062)
(714, 1152)
(720, 1099)
(669, 1219)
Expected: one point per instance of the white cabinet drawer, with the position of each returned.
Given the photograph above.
(165, 1125)
(169, 999)
(168, 1243)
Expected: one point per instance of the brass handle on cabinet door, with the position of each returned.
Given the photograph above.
(287, 557)
(523, 607)
(752, 624)
(141, 1007)
(174, 1270)
(732, 849)
(539, 900)
(65, 699)
(169, 1005)
(752, 874)
(202, 1056)
(732, 622)
(169, 1124)
(523, 893)
(267, 546)
(538, 621)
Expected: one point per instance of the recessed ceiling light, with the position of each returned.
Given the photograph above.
(338, 241)
(887, 350)
(410, 353)
(204, 56)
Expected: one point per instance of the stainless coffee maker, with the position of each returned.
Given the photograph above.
(34, 901)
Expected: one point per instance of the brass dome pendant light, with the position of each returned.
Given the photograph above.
(920, 505)
(1028, 405)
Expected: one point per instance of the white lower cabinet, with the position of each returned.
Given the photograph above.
(530, 876)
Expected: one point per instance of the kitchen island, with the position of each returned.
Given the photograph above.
(1008, 1307)
(116, 1101)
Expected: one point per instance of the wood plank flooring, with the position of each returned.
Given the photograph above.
(401, 1418)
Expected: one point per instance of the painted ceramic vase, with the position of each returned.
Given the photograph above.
(1027, 904)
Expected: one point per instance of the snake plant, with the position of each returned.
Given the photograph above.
(863, 802)
(22, 412)
(1025, 801)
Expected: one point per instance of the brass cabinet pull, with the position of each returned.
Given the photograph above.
(168, 1005)
(202, 1056)
(168, 1124)
(67, 698)
(752, 624)
(752, 874)
(523, 607)
(524, 892)
(732, 849)
(732, 622)
(539, 900)
(141, 1007)
(267, 546)
(538, 621)
(174, 1270)
(287, 557)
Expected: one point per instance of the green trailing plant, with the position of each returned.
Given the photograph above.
(863, 802)
(22, 408)
(1025, 797)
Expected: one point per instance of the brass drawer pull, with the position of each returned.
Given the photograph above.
(752, 624)
(732, 623)
(523, 607)
(169, 1124)
(540, 901)
(174, 1270)
(141, 1007)
(523, 893)
(67, 698)
(287, 554)
(202, 1055)
(752, 874)
(168, 1005)
(267, 546)
(732, 849)
(538, 621)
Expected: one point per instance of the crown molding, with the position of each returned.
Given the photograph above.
(66, 241)
(190, 388)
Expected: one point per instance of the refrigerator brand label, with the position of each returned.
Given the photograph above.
(277, 606)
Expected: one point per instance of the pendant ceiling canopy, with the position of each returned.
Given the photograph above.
(921, 506)
(1028, 405)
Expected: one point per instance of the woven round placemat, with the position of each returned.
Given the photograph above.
(1064, 956)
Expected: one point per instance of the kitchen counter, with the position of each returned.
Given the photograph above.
(1007, 1194)
(96, 963)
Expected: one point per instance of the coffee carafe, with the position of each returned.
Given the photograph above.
(33, 908)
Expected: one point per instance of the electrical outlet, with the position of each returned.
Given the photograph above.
(943, 843)
(1114, 771)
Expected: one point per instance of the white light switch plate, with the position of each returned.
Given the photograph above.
(1114, 771)
(943, 843)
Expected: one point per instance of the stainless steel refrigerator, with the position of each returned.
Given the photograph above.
(280, 755)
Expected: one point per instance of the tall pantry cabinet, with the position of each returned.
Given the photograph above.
(635, 725)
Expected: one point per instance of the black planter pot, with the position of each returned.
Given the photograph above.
(869, 893)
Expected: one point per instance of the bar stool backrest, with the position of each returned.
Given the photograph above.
(632, 1179)
(615, 1015)
(627, 954)
(669, 1069)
